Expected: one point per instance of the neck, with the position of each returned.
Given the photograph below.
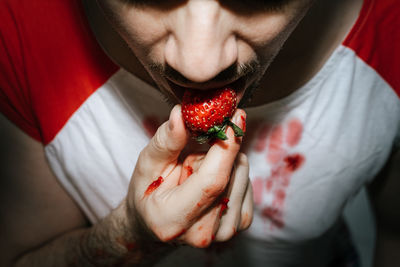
(308, 48)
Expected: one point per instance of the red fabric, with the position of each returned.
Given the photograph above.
(376, 39)
(50, 64)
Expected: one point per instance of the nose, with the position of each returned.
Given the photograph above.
(202, 42)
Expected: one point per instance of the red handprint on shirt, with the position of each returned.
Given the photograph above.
(278, 142)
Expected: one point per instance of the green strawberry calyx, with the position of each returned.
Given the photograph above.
(218, 131)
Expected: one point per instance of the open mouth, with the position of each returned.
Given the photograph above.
(237, 85)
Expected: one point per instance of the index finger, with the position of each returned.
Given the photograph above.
(221, 156)
(210, 180)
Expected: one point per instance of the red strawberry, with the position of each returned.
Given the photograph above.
(207, 113)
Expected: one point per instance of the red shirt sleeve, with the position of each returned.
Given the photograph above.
(50, 63)
(14, 94)
(375, 38)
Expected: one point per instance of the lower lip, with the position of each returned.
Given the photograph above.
(238, 86)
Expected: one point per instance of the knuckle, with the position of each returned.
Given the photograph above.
(202, 243)
(169, 235)
(215, 184)
(143, 167)
(158, 141)
(226, 233)
(162, 142)
(201, 237)
(141, 163)
(233, 145)
(246, 220)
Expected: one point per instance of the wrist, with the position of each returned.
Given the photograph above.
(135, 227)
(137, 238)
(116, 239)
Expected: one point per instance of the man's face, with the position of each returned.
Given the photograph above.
(205, 44)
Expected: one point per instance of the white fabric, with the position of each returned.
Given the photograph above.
(350, 118)
(95, 153)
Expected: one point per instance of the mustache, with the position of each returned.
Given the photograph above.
(232, 73)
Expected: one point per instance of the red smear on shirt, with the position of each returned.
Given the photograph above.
(243, 123)
(295, 130)
(280, 196)
(224, 205)
(153, 186)
(128, 245)
(274, 215)
(257, 185)
(276, 138)
(282, 138)
(261, 141)
(269, 184)
(294, 162)
(150, 124)
(275, 151)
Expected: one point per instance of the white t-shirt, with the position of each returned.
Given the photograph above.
(309, 153)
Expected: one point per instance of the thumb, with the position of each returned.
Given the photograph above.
(165, 146)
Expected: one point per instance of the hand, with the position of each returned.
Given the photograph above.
(183, 201)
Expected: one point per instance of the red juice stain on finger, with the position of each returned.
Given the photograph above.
(294, 162)
(243, 123)
(224, 205)
(204, 242)
(205, 200)
(212, 237)
(128, 245)
(153, 186)
(189, 170)
(245, 220)
(177, 235)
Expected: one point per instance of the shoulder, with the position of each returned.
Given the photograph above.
(51, 62)
(375, 38)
